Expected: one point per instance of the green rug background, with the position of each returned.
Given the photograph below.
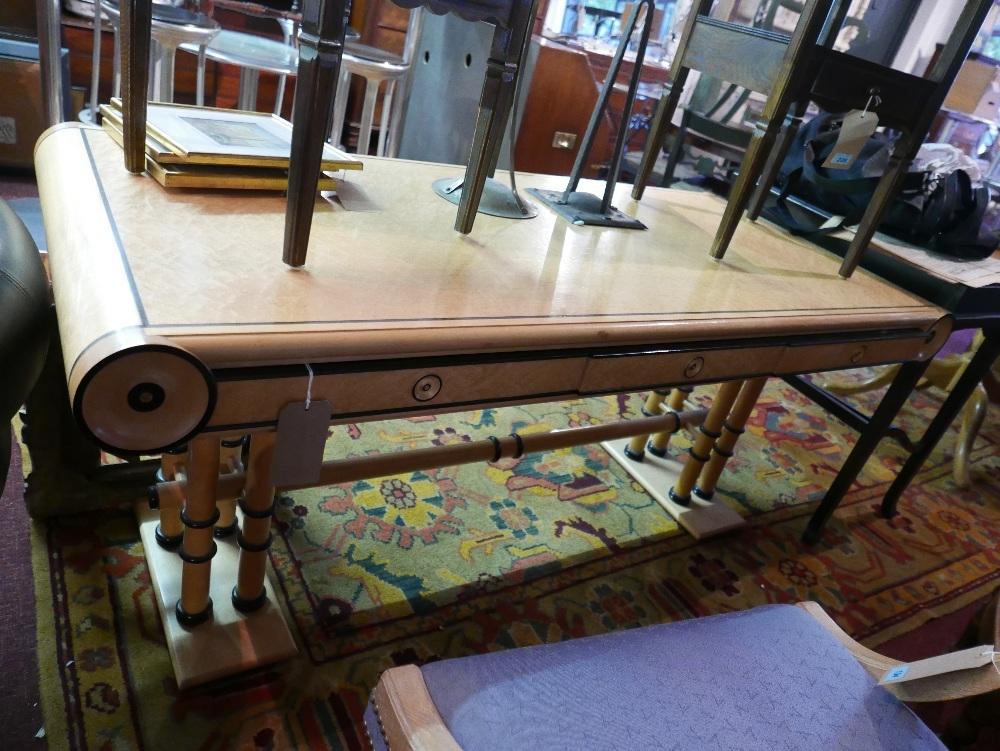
(482, 557)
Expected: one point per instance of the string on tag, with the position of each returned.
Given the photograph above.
(872, 96)
(309, 386)
(994, 655)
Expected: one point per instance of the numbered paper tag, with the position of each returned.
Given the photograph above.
(301, 438)
(857, 128)
(963, 660)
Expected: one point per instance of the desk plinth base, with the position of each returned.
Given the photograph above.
(229, 642)
(701, 519)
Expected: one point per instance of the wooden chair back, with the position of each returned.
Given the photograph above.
(743, 55)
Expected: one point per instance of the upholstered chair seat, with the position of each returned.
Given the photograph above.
(768, 678)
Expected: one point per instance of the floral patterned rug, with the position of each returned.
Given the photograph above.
(482, 557)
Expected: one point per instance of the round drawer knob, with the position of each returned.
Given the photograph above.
(426, 388)
(694, 367)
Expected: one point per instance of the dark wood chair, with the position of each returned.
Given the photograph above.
(754, 58)
(321, 48)
(839, 81)
(709, 116)
(799, 69)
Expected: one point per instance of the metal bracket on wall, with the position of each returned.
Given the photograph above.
(585, 208)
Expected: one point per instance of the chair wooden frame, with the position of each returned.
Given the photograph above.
(706, 122)
(321, 48)
(909, 104)
(756, 59)
(410, 721)
(809, 71)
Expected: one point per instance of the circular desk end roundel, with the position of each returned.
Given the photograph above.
(135, 394)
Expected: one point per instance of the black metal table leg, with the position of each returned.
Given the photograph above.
(970, 378)
(901, 388)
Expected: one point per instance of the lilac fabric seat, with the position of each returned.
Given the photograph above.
(769, 678)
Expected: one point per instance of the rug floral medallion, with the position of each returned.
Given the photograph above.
(480, 557)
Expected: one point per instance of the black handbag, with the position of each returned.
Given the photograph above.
(943, 214)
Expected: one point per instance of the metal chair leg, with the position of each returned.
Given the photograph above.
(971, 377)
(881, 420)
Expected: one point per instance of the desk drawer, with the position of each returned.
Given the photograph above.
(363, 394)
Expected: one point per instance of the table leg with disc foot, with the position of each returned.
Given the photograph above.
(732, 428)
(231, 460)
(658, 443)
(637, 446)
(254, 539)
(170, 530)
(199, 516)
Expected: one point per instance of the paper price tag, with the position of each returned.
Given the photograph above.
(299, 444)
(855, 131)
(962, 660)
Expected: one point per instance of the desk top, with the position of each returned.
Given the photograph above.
(134, 265)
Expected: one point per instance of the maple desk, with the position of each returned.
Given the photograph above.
(179, 322)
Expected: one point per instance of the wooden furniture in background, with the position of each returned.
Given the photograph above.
(556, 111)
(385, 26)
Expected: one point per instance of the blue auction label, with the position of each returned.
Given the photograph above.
(897, 672)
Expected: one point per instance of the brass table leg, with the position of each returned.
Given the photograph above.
(198, 516)
(658, 443)
(254, 539)
(170, 530)
(707, 435)
(637, 445)
(231, 460)
(732, 429)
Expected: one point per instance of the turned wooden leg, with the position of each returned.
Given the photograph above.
(230, 461)
(636, 447)
(665, 109)
(676, 150)
(882, 377)
(170, 530)
(972, 420)
(709, 431)
(772, 166)
(761, 142)
(254, 538)
(732, 429)
(658, 443)
(886, 190)
(199, 517)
